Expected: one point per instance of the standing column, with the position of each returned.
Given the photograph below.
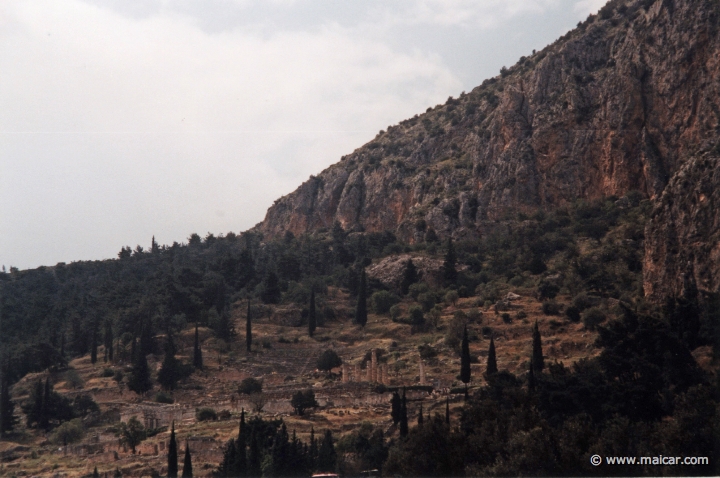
(422, 373)
(345, 378)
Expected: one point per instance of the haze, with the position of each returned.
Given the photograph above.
(122, 119)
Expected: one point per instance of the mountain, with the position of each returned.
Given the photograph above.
(628, 101)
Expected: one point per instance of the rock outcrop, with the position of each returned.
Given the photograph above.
(616, 105)
(682, 238)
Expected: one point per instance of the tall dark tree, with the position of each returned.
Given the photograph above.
(361, 309)
(327, 457)
(147, 341)
(140, 381)
(169, 373)
(108, 342)
(410, 276)
(396, 407)
(447, 411)
(45, 411)
(94, 343)
(7, 407)
(197, 351)
(254, 454)
(95, 473)
(172, 457)
(312, 321)
(154, 248)
(531, 377)
(248, 329)
(227, 465)
(403, 416)
(491, 368)
(420, 416)
(313, 451)
(449, 269)
(271, 292)
(240, 453)
(465, 359)
(224, 329)
(537, 354)
(187, 463)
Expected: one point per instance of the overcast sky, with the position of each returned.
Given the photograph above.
(124, 119)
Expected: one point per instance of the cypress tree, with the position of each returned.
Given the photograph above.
(410, 276)
(95, 473)
(168, 374)
(327, 458)
(172, 468)
(447, 411)
(187, 463)
(395, 407)
(403, 416)
(313, 452)
(491, 360)
(108, 342)
(45, 409)
(531, 377)
(248, 329)
(465, 359)
(361, 309)
(224, 329)
(140, 381)
(449, 271)
(133, 351)
(7, 407)
(311, 314)
(197, 351)
(147, 343)
(36, 410)
(240, 456)
(420, 416)
(537, 354)
(227, 465)
(254, 455)
(94, 344)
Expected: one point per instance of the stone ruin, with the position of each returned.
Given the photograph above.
(156, 415)
(374, 373)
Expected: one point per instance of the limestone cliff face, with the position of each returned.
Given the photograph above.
(618, 104)
(682, 238)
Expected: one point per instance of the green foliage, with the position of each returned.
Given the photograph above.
(132, 433)
(206, 414)
(68, 432)
(329, 360)
(593, 317)
(416, 316)
(250, 385)
(395, 312)
(382, 301)
(302, 400)
(163, 397)
(140, 380)
(550, 307)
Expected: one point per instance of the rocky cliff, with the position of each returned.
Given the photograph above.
(618, 104)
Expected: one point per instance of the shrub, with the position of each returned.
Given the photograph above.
(68, 432)
(416, 315)
(329, 360)
(107, 372)
(427, 352)
(206, 414)
(84, 404)
(592, 317)
(382, 301)
(452, 297)
(547, 290)
(302, 401)
(426, 300)
(395, 312)
(582, 301)
(163, 397)
(573, 313)
(550, 307)
(118, 376)
(224, 415)
(416, 289)
(506, 317)
(521, 314)
(250, 385)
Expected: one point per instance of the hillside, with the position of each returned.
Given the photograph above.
(617, 105)
(533, 265)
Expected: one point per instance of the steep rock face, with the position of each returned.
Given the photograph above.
(682, 238)
(618, 104)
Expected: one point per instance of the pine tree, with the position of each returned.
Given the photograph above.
(403, 416)
(147, 342)
(197, 351)
(240, 453)
(248, 329)
(313, 451)
(254, 455)
(45, 410)
(311, 314)
(94, 344)
(271, 292)
(154, 248)
(168, 374)
(537, 354)
(172, 468)
(140, 381)
(7, 407)
(465, 359)
(361, 309)
(187, 463)
(531, 377)
(34, 417)
(410, 276)
(395, 407)
(227, 465)
(449, 271)
(491, 360)
(420, 416)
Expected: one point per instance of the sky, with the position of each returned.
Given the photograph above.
(121, 120)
